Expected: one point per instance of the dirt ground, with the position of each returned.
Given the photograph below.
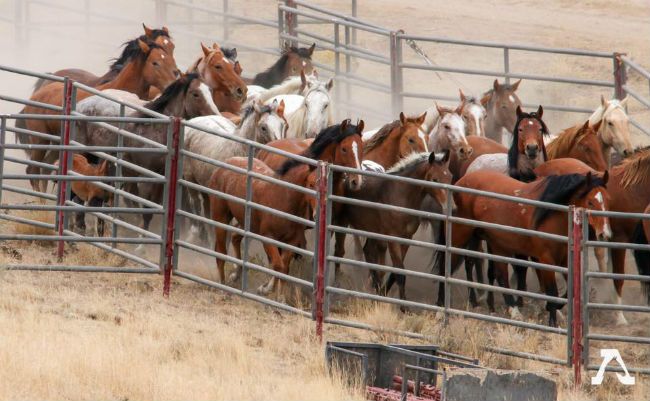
(114, 334)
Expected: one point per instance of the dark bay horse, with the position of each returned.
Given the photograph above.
(500, 102)
(526, 152)
(422, 166)
(291, 62)
(159, 36)
(276, 197)
(576, 189)
(579, 142)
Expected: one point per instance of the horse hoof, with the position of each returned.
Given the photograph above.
(233, 278)
(262, 290)
(139, 250)
(514, 313)
(620, 319)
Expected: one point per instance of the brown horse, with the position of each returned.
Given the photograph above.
(394, 141)
(291, 62)
(422, 166)
(500, 102)
(579, 142)
(575, 189)
(159, 36)
(330, 141)
(481, 146)
(222, 75)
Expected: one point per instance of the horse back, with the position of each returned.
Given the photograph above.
(481, 146)
(291, 145)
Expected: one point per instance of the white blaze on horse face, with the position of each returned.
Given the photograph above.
(207, 96)
(423, 136)
(165, 41)
(530, 122)
(456, 134)
(607, 231)
(317, 115)
(274, 123)
(355, 151)
(476, 112)
(511, 98)
(304, 63)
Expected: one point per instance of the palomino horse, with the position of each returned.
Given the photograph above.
(273, 196)
(576, 189)
(342, 149)
(448, 133)
(614, 131)
(394, 141)
(526, 152)
(147, 66)
(629, 191)
(220, 74)
(159, 36)
(259, 123)
(500, 102)
(422, 166)
(579, 142)
(291, 62)
(310, 112)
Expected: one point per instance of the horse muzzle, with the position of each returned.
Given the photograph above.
(532, 151)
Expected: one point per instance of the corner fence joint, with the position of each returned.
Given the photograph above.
(171, 206)
(577, 221)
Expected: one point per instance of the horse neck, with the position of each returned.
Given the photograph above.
(387, 152)
(435, 139)
(405, 194)
(130, 79)
(292, 200)
(247, 127)
(634, 197)
(296, 121)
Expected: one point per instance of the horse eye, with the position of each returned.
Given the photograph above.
(610, 123)
(218, 66)
(325, 106)
(447, 126)
(195, 94)
(344, 150)
(263, 128)
(411, 140)
(155, 64)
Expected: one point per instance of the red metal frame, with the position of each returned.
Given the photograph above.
(67, 110)
(576, 234)
(323, 172)
(171, 207)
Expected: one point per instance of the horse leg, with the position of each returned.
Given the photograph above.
(339, 252)
(617, 259)
(491, 277)
(36, 155)
(460, 238)
(96, 202)
(194, 205)
(470, 263)
(79, 217)
(601, 258)
(371, 255)
(276, 262)
(520, 273)
(236, 243)
(397, 257)
(501, 273)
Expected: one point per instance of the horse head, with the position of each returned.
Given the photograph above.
(270, 123)
(596, 197)
(412, 137)
(615, 130)
(298, 59)
(317, 99)
(159, 68)
(501, 103)
(474, 115)
(220, 73)
(449, 132)
(161, 37)
(529, 133)
(438, 171)
(587, 146)
(349, 150)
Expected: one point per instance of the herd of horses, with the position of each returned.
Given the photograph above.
(289, 108)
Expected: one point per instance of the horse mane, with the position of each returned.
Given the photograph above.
(380, 136)
(563, 142)
(559, 189)
(329, 135)
(179, 86)
(635, 168)
(288, 86)
(513, 152)
(408, 163)
(230, 53)
(132, 49)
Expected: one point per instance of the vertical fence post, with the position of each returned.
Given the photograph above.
(71, 137)
(576, 234)
(170, 217)
(396, 84)
(337, 68)
(63, 164)
(281, 30)
(354, 14)
(321, 248)
(620, 77)
(161, 12)
(291, 21)
(19, 20)
(448, 254)
(247, 218)
(118, 172)
(225, 20)
(348, 66)
(584, 279)
(506, 64)
(3, 138)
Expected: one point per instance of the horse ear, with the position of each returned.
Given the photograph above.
(515, 86)
(311, 49)
(596, 127)
(402, 119)
(420, 120)
(459, 109)
(234, 53)
(280, 109)
(314, 72)
(344, 124)
(360, 127)
(440, 110)
(495, 85)
(206, 51)
(166, 30)
(462, 95)
(540, 111)
(143, 46)
(330, 84)
(605, 177)
(519, 111)
(257, 106)
(103, 168)
(624, 101)
(588, 181)
(148, 32)
(238, 69)
(603, 102)
(585, 125)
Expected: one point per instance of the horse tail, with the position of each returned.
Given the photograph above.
(20, 137)
(358, 248)
(642, 259)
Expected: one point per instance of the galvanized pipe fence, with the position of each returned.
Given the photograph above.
(295, 18)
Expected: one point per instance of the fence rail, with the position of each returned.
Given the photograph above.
(296, 18)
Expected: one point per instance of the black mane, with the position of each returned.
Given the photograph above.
(560, 189)
(174, 89)
(329, 135)
(274, 74)
(132, 49)
(513, 152)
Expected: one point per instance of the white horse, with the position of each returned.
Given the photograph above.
(614, 131)
(291, 86)
(260, 123)
(448, 132)
(310, 113)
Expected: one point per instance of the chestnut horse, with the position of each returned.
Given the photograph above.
(526, 152)
(500, 102)
(276, 197)
(576, 189)
(159, 36)
(396, 140)
(221, 74)
(420, 166)
(480, 146)
(291, 62)
(579, 142)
